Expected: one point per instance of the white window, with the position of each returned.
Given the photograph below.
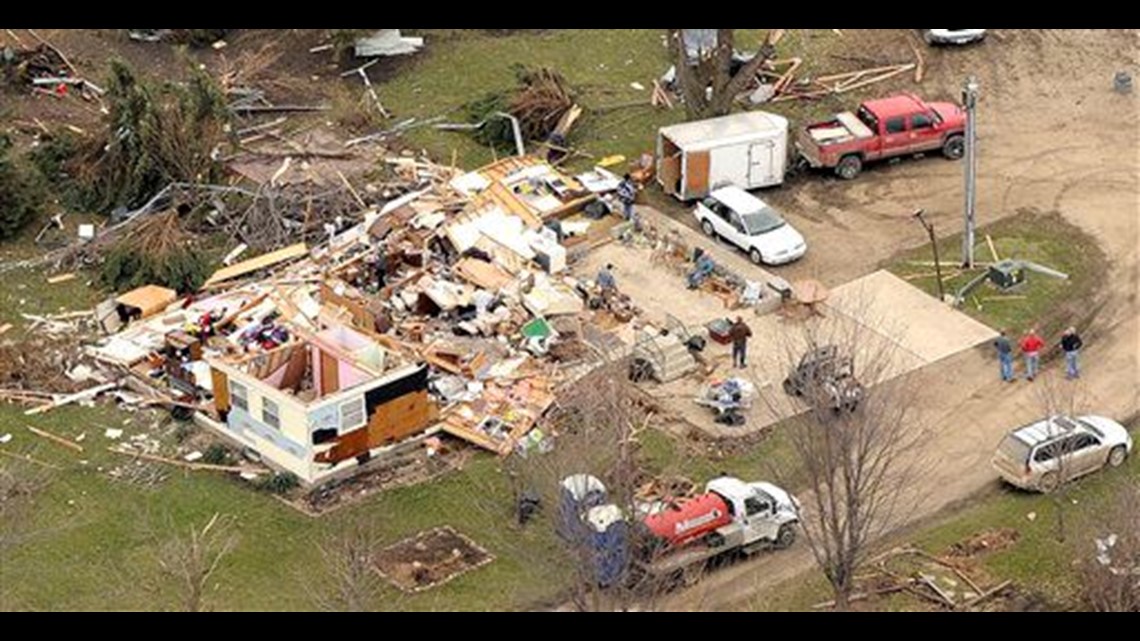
(351, 414)
(269, 413)
(240, 395)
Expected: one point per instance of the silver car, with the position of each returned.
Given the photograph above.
(1042, 455)
(953, 36)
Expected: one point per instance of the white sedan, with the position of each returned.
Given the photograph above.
(953, 36)
(750, 224)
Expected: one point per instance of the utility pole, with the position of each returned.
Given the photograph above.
(934, 244)
(970, 101)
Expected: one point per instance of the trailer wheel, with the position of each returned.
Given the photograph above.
(707, 227)
(849, 167)
(786, 536)
(954, 147)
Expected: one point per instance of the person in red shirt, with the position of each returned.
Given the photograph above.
(1031, 345)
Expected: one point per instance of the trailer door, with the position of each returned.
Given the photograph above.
(761, 163)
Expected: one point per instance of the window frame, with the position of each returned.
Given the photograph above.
(243, 397)
(926, 117)
(901, 120)
(266, 403)
(342, 426)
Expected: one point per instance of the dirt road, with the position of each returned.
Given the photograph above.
(1053, 136)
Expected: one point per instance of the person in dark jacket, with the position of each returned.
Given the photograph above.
(739, 333)
(1005, 355)
(1071, 344)
(627, 194)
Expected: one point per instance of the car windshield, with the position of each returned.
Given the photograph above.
(1015, 448)
(868, 118)
(762, 221)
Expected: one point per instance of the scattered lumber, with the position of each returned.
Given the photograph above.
(55, 439)
(919, 62)
(61, 278)
(993, 251)
(183, 464)
(71, 398)
(988, 594)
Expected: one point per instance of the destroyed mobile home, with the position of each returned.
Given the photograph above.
(446, 309)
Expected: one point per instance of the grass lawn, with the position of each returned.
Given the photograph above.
(1049, 303)
(1037, 562)
(599, 64)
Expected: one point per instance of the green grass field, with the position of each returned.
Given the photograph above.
(1038, 562)
(1044, 301)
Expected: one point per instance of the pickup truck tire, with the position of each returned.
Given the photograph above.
(707, 227)
(954, 147)
(849, 167)
(755, 256)
(786, 536)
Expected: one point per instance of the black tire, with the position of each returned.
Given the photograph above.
(786, 536)
(1049, 482)
(755, 256)
(954, 147)
(1116, 456)
(707, 227)
(789, 389)
(849, 167)
(714, 539)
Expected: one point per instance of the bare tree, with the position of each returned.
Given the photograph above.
(189, 562)
(1059, 399)
(350, 582)
(858, 463)
(1109, 553)
(706, 81)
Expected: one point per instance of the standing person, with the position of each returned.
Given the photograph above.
(606, 279)
(1031, 345)
(627, 193)
(740, 333)
(1071, 344)
(1005, 355)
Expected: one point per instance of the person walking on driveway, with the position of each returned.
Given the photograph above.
(1005, 355)
(739, 333)
(1031, 345)
(1071, 344)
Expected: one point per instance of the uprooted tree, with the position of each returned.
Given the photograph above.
(704, 68)
(22, 193)
(154, 135)
(858, 464)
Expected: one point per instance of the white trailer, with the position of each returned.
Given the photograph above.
(749, 150)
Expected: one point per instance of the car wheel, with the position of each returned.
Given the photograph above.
(754, 255)
(1116, 456)
(954, 147)
(1049, 481)
(849, 167)
(707, 227)
(786, 536)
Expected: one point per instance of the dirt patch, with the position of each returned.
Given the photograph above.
(982, 542)
(430, 559)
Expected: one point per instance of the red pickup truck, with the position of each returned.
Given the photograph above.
(895, 126)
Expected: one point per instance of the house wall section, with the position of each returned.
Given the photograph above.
(270, 443)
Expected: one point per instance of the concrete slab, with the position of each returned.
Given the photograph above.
(916, 322)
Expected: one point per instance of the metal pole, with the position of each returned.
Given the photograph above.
(934, 244)
(969, 101)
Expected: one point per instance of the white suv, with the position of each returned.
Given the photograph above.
(750, 224)
(1049, 452)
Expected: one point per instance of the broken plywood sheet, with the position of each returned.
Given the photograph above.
(430, 559)
(482, 274)
(261, 262)
(151, 299)
(387, 42)
(548, 298)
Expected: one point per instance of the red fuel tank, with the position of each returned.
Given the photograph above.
(689, 519)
